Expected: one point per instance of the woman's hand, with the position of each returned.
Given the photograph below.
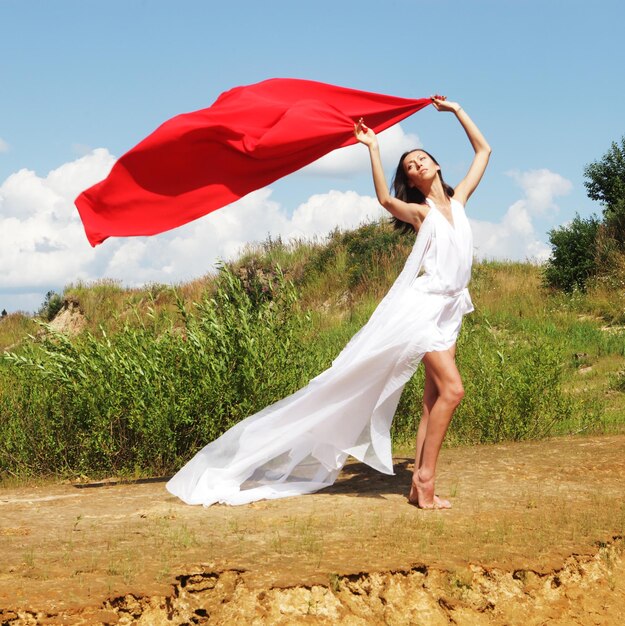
(364, 134)
(441, 104)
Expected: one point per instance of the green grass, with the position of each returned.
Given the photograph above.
(160, 371)
(14, 328)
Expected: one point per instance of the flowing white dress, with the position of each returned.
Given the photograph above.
(299, 444)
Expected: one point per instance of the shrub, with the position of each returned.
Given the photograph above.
(573, 257)
(370, 250)
(144, 400)
(51, 305)
(513, 390)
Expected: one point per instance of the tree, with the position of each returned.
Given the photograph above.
(606, 184)
(590, 247)
(51, 306)
(573, 256)
(4, 313)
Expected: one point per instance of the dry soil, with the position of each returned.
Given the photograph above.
(535, 536)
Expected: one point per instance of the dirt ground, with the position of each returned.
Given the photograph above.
(535, 537)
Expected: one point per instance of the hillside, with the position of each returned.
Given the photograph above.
(123, 385)
(130, 380)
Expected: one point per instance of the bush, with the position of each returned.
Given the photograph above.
(145, 400)
(573, 257)
(51, 306)
(513, 391)
(370, 250)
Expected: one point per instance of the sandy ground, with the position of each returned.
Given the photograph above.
(520, 511)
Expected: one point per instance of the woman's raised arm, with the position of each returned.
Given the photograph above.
(469, 183)
(405, 211)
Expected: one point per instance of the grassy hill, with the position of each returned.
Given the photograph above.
(149, 375)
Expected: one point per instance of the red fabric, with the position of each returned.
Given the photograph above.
(198, 162)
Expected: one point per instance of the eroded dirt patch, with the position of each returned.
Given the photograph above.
(526, 532)
(586, 590)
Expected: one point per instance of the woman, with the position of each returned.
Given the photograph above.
(299, 444)
(420, 190)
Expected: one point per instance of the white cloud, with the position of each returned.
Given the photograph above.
(4, 146)
(322, 213)
(514, 237)
(43, 245)
(345, 162)
(42, 242)
(540, 187)
(195, 248)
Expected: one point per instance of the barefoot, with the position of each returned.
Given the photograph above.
(441, 503)
(423, 497)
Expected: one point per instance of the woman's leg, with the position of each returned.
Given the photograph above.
(430, 394)
(442, 394)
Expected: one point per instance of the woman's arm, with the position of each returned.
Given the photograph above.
(469, 183)
(405, 211)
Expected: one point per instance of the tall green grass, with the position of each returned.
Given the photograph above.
(514, 391)
(142, 399)
(171, 369)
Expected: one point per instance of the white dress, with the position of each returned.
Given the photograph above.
(299, 444)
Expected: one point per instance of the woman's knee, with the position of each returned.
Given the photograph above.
(453, 392)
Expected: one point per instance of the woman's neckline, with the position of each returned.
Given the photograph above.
(451, 222)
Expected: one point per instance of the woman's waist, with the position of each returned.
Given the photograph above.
(428, 284)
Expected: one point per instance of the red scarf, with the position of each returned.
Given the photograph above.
(197, 162)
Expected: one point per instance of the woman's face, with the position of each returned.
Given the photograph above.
(419, 167)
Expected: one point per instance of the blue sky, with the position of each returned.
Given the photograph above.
(83, 81)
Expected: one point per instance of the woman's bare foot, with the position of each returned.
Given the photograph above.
(441, 503)
(423, 497)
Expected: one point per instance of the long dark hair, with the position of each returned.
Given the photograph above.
(403, 191)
